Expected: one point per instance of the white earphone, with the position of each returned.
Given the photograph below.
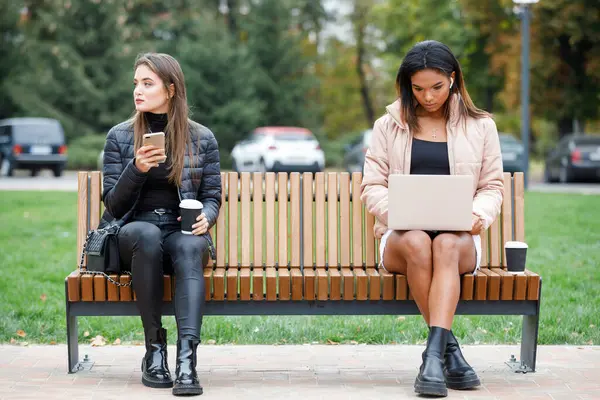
(451, 82)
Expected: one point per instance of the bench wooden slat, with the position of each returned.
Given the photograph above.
(480, 286)
(533, 285)
(232, 283)
(401, 287)
(221, 230)
(95, 194)
(232, 234)
(369, 240)
(245, 284)
(87, 288)
(99, 288)
(297, 284)
(284, 283)
(348, 283)
(74, 285)
(125, 292)
(271, 284)
(345, 219)
(519, 210)
(362, 284)
(493, 284)
(257, 226)
(332, 220)
(335, 283)
(282, 202)
(307, 219)
(357, 221)
(167, 287)
(507, 215)
(258, 284)
(245, 218)
(506, 283)
(219, 284)
(322, 284)
(309, 284)
(495, 244)
(520, 288)
(270, 229)
(320, 214)
(388, 284)
(295, 237)
(466, 288)
(112, 289)
(374, 284)
(82, 213)
(208, 283)
(485, 248)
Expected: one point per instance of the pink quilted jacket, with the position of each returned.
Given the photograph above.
(473, 149)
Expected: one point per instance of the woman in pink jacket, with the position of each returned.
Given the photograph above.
(434, 128)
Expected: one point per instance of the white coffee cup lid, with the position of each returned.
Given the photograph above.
(190, 204)
(516, 245)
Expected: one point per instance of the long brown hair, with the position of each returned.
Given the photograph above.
(432, 54)
(169, 71)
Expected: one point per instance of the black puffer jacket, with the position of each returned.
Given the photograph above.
(123, 181)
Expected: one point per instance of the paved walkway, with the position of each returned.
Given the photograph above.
(295, 372)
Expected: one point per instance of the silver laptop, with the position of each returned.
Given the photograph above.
(430, 202)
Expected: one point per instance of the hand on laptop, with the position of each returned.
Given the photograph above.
(477, 225)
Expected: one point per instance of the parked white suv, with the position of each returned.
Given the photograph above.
(278, 149)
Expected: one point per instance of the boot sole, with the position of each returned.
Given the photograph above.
(462, 384)
(187, 390)
(157, 384)
(431, 388)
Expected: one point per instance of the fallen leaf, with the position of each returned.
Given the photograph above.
(591, 342)
(13, 341)
(23, 343)
(400, 318)
(53, 342)
(117, 342)
(353, 342)
(592, 326)
(211, 341)
(21, 333)
(98, 341)
(43, 297)
(331, 342)
(86, 334)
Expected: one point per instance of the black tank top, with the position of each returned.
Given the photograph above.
(429, 158)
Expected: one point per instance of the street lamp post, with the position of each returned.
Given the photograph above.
(525, 16)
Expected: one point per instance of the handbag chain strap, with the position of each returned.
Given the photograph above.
(83, 271)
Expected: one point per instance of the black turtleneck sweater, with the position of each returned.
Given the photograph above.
(157, 191)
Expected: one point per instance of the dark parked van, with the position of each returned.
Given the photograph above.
(33, 144)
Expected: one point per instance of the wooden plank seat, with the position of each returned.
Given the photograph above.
(303, 244)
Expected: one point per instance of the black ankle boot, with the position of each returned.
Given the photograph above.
(430, 380)
(186, 380)
(155, 370)
(459, 374)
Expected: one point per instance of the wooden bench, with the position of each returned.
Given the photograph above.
(300, 244)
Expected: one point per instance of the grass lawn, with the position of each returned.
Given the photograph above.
(38, 249)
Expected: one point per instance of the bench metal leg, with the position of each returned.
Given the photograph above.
(72, 338)
(529, 341)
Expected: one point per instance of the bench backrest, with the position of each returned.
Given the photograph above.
(304, 220)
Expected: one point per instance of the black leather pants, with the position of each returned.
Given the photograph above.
(151, 245)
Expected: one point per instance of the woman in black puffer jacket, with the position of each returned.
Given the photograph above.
(143, 186)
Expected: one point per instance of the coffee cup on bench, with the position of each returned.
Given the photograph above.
(516, 255)
(189, 209)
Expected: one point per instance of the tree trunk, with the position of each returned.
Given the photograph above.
(565, 126)
(232, 5)
(364, 88)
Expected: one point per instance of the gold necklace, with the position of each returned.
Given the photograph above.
(434, 133)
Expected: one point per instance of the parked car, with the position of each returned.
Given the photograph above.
(513, 153)
(278, 149)
(573, 158)
(354, 152)
(33, 144)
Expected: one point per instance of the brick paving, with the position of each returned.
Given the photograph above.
(296, 372)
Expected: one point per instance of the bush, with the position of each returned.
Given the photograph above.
(84, 151)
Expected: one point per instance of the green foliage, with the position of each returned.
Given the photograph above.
(83, 152)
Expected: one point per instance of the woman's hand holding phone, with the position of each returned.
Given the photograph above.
(148, 156)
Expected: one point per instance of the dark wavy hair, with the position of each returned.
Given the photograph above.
(432, 54)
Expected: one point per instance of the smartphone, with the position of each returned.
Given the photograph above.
(155, 139)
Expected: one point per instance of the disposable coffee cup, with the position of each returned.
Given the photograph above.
(516, 255)
(190, 210)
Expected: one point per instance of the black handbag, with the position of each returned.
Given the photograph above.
(102, 249)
